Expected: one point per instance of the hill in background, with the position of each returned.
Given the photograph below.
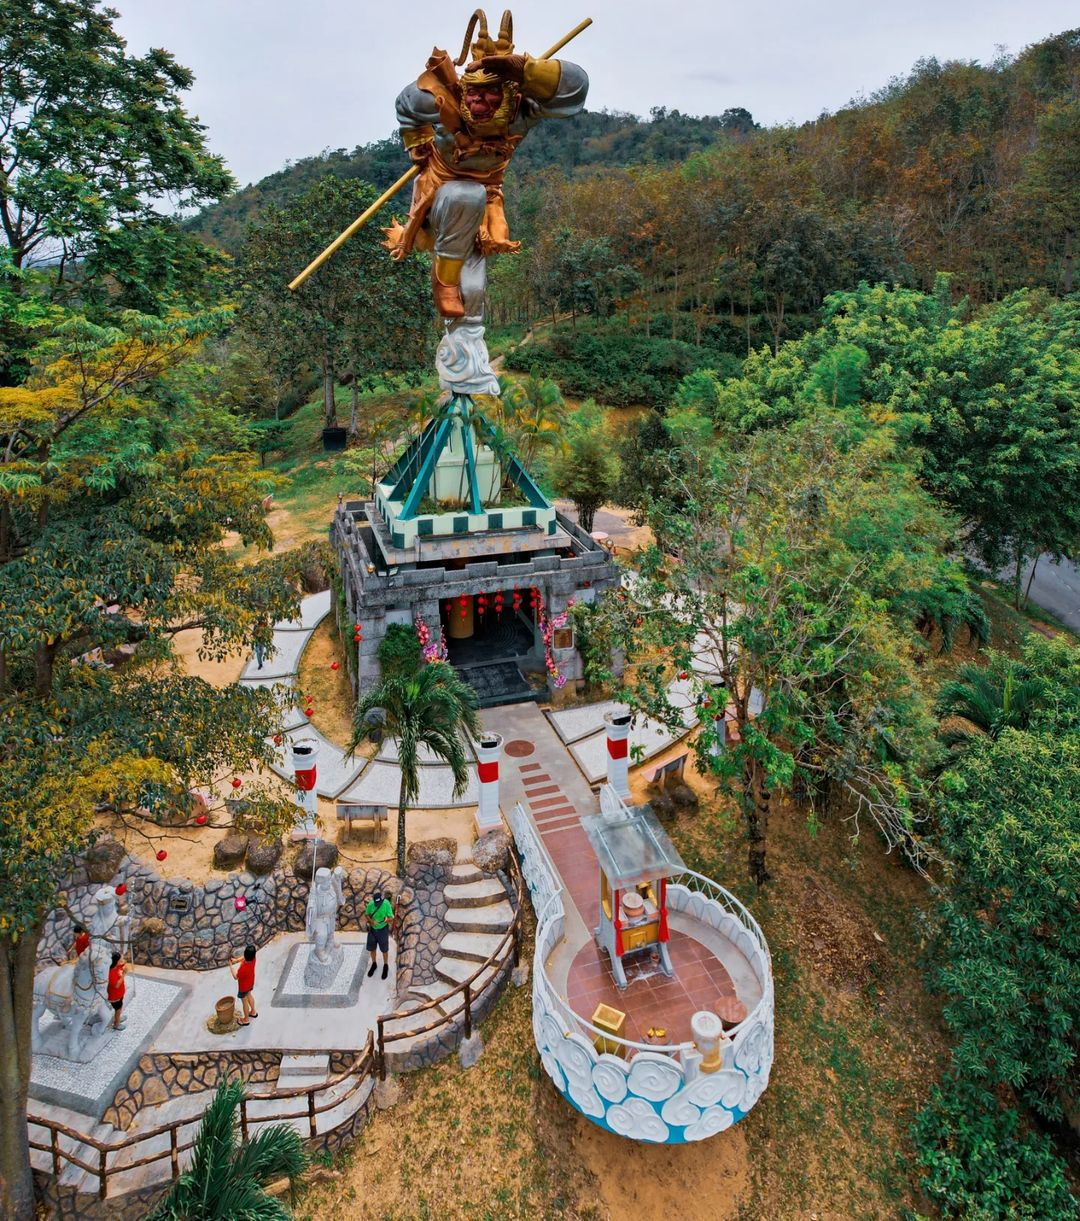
(594, 140)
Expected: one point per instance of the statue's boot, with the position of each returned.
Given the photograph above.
(446, 286)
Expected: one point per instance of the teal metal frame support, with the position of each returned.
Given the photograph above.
(416, 494)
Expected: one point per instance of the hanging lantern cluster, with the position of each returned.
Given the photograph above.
(358, 634)
(308, 709)
(463, 605)
(481, 604)
(517, 599)
(499, 603)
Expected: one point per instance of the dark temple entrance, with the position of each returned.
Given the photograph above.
(488, 659)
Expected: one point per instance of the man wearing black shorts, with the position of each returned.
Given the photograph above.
(379, 912)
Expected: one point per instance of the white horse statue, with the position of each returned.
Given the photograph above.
(77, 992)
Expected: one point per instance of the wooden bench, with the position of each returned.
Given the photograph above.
(351, 811)
(665, 772)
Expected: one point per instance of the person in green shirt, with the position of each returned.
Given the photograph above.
(379, 912)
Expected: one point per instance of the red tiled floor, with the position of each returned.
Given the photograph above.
(537, 778)
(651, 998)
(540, 792)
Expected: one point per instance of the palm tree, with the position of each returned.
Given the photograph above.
(433, 708)
(1000, 695)
(534, 413)
(226, 1181)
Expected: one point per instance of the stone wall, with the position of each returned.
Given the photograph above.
(157, 1078)
(201, 927)
(133, 1206)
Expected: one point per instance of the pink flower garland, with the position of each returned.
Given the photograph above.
(431, 649)
(547, 631)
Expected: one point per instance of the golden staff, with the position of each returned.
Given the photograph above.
(408, 176)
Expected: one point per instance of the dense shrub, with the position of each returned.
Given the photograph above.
(618, 368)
(978, 1164)
(399, 652)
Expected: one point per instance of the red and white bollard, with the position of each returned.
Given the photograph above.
(618, 750)
(304, 756)
(488, 753)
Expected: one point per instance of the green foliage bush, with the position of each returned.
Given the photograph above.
(1006, 951)
(399, 652)
(978, 1164)
(617, 367)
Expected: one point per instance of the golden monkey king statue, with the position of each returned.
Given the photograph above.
(462, 131)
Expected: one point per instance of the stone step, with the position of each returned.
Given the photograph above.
(477, 946)
(305, 1066)
(495, 918)
(474, 894)
(467, 872)
(457, 971)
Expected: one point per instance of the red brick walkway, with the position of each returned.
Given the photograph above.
(650, 999)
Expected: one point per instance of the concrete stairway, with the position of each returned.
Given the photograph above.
(478, 915)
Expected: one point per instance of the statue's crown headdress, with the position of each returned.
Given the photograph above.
(483, 45)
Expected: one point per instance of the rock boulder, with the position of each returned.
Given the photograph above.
(263, 855)
(229, 852)
(315, 854)
(432, 852)
(103, 860)
(491, 851)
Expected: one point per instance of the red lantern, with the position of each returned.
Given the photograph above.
(236, 782)
(162, 854)
(200, 819)
(683, 675)
(335, 665)
(277, 739)
(121, 890)
(309, 711)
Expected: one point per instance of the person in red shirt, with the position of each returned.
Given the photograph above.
(116, 991)
(243, 970)
(82, 940)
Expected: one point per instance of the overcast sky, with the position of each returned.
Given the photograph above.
(280, 80)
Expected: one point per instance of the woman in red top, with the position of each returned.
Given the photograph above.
(82, 940)
(116, 991)
(243, 970)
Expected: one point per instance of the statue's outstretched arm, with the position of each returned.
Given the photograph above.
(555, 97)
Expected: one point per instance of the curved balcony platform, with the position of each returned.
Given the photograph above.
(652, 1082)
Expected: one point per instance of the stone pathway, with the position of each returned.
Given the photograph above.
(377, 782)
(583, 732)
(336, 770)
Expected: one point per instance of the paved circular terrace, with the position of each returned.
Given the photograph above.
(650, 1000)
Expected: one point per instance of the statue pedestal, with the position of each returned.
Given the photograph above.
(319, 975)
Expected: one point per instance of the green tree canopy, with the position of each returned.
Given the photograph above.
(359, 314)
(92, 137)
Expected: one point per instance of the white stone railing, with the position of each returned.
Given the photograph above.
(650, 1093)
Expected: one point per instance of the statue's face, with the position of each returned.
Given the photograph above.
(482, 101)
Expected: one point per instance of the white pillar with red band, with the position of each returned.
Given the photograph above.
(305, 754)
(618, 750)
(488, 754)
